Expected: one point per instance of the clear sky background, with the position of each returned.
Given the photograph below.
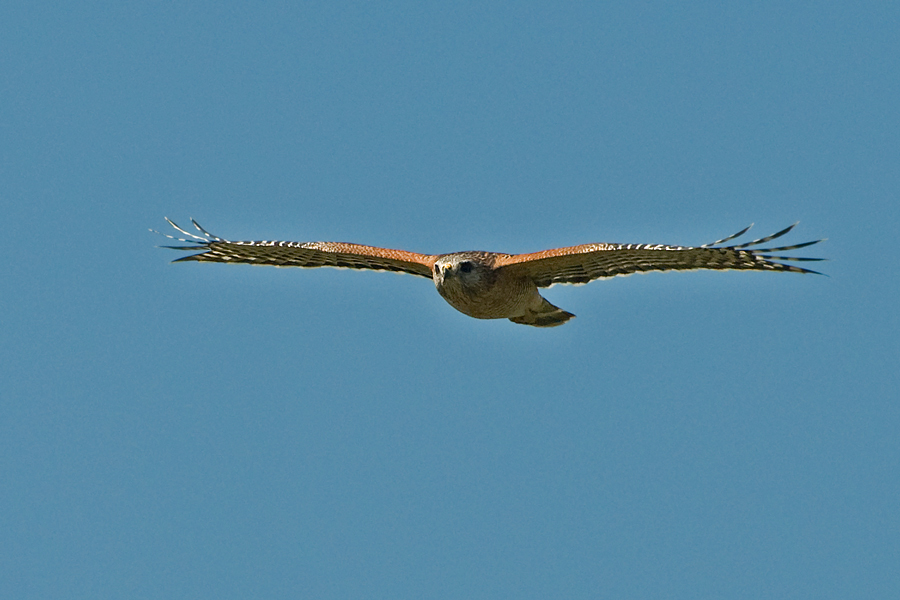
(218, 431)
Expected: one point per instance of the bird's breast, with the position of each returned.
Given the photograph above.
(497, 297)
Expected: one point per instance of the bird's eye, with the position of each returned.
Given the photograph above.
(465, 267)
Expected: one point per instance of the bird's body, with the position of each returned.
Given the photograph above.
(490, 285)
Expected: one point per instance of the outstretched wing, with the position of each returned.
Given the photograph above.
(580, 264)
(299, 254)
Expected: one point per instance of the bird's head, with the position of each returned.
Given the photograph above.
(461, 270)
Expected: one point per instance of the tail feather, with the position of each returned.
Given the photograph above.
(546, 315)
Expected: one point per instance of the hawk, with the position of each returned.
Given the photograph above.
(492, 285)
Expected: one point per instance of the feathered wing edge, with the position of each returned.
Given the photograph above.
(200, 243)
(765, 252)
(297, 254)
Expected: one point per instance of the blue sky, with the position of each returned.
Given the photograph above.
(215, 431)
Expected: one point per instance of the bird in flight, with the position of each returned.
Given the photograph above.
(492, 285)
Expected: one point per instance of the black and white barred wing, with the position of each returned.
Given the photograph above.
(211, 248)
(581, 264)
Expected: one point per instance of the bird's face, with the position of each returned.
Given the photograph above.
(459, 271)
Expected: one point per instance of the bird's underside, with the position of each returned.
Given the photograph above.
(490, 285)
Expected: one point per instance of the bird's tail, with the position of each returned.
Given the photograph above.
(546, 315)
